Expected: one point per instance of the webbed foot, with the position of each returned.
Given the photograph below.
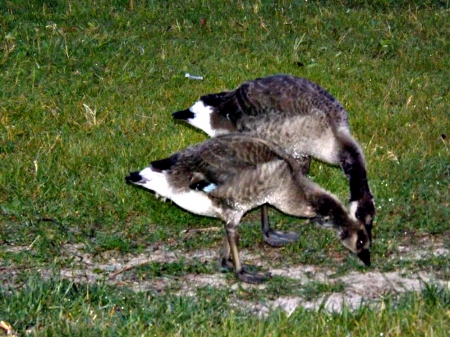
(247, 274)
(277, 239)
(253, 277)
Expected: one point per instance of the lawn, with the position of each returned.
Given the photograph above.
(87, 92)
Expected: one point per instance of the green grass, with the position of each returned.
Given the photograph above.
(87, 91)
(61, 308)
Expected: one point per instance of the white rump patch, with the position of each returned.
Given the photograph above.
(202, 117)
(193, 201)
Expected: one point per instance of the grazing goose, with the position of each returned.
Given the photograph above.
(228, 175)
(302, 118)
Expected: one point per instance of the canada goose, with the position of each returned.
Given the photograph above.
(302, 118)
(228, 175)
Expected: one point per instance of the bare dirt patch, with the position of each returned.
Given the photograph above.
(358, 287)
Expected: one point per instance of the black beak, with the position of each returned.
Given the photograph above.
(183, 114)
(134, 177)
(364, 256)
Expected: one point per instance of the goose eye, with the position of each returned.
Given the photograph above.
(361, 240)
(360, 244)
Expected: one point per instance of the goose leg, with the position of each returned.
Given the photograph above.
(243, 274)
(276, 238)
(226, 263)
(272, 237)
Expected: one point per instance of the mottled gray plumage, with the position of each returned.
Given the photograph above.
(299, 116)
(232, 174)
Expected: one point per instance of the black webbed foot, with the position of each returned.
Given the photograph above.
(277, 239)
(248, 273)
(253, 277)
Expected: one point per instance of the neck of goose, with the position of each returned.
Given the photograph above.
(331, 211)
(359, 186)
(352, 162)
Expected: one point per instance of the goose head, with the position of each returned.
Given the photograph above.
(356, 239)
(207, 115)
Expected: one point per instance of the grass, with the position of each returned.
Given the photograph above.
(63, 308)
(87, 93)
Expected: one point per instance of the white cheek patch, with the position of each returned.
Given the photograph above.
(155, 181)
(368, 219)
(352, 207)
(193, 201)
(202, 117)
